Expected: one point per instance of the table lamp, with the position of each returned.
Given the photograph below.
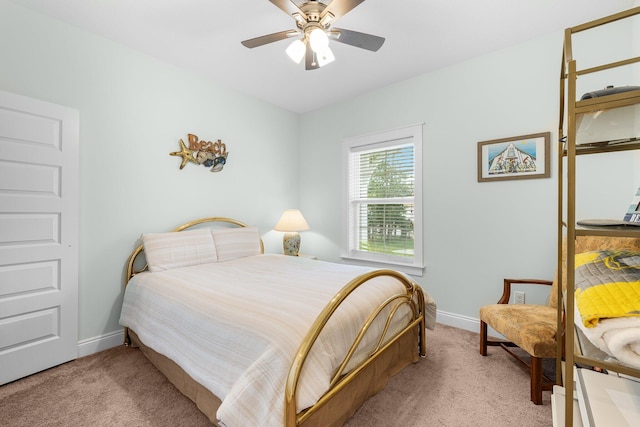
(291, 222)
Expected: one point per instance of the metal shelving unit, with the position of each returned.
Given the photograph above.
(575, 141)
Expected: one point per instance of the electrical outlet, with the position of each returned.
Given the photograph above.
(518, 297)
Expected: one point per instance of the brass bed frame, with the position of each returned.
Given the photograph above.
(347, 392)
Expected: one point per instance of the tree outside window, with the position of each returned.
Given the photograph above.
(389, 226)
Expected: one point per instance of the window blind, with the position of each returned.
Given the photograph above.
(381, 187)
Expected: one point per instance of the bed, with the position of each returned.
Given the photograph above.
(270, 340)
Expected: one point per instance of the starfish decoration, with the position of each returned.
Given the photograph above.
(185, 153)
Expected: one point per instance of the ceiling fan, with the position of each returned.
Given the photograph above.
(313, 21)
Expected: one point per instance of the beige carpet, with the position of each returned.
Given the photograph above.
(453, 387)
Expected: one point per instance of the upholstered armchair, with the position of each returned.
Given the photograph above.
(531, 327)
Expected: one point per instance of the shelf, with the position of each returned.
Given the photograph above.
(613, 231)
(557, 408)
(606, 147)
(607, 124)
(612, 366)
(608, 102)
(606, 120)
(589, 355)
(607, 400)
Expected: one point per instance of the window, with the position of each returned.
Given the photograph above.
(383, 199)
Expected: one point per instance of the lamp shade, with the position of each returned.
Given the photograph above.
(325, 56)
(291, 220)
(318, 40)
(296, 51)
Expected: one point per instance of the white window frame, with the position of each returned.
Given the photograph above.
(409, 135)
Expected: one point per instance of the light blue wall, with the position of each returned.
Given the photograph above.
(475, 234)
(133, 111)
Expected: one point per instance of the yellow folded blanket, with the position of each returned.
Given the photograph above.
(607, 285)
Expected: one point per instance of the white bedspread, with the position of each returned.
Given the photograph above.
(618, 337)
(234, 327)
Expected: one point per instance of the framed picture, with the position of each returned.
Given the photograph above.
(520, 157)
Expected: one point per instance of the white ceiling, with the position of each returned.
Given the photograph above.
(421, 35)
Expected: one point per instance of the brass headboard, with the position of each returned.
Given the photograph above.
(137, 252)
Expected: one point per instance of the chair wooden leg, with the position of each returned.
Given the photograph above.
(536, 380)
(483, 338)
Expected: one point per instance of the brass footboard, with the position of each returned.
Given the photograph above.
(413, 297)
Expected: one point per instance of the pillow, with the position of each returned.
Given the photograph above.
(178, 249)
(232, 243)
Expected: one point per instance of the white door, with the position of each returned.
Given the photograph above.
(39, 213)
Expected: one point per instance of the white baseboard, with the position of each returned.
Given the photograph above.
(464, 322)
(114, 339)
(458, 321)
(103, 342)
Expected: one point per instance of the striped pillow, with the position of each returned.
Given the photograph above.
(178, 249)
(232, 243)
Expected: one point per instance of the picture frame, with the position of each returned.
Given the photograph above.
(518, 157)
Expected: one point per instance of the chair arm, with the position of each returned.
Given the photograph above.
(506, 292)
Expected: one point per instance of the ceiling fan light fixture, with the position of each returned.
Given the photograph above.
(299, 18)
(313, 29)
(326, 19)
(296, 51)
(318, 40)
(325, 56)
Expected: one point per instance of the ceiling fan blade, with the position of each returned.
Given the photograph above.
(310, 62)
(357, 39)
(289, 7)
(270, 38)
(339, 8)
